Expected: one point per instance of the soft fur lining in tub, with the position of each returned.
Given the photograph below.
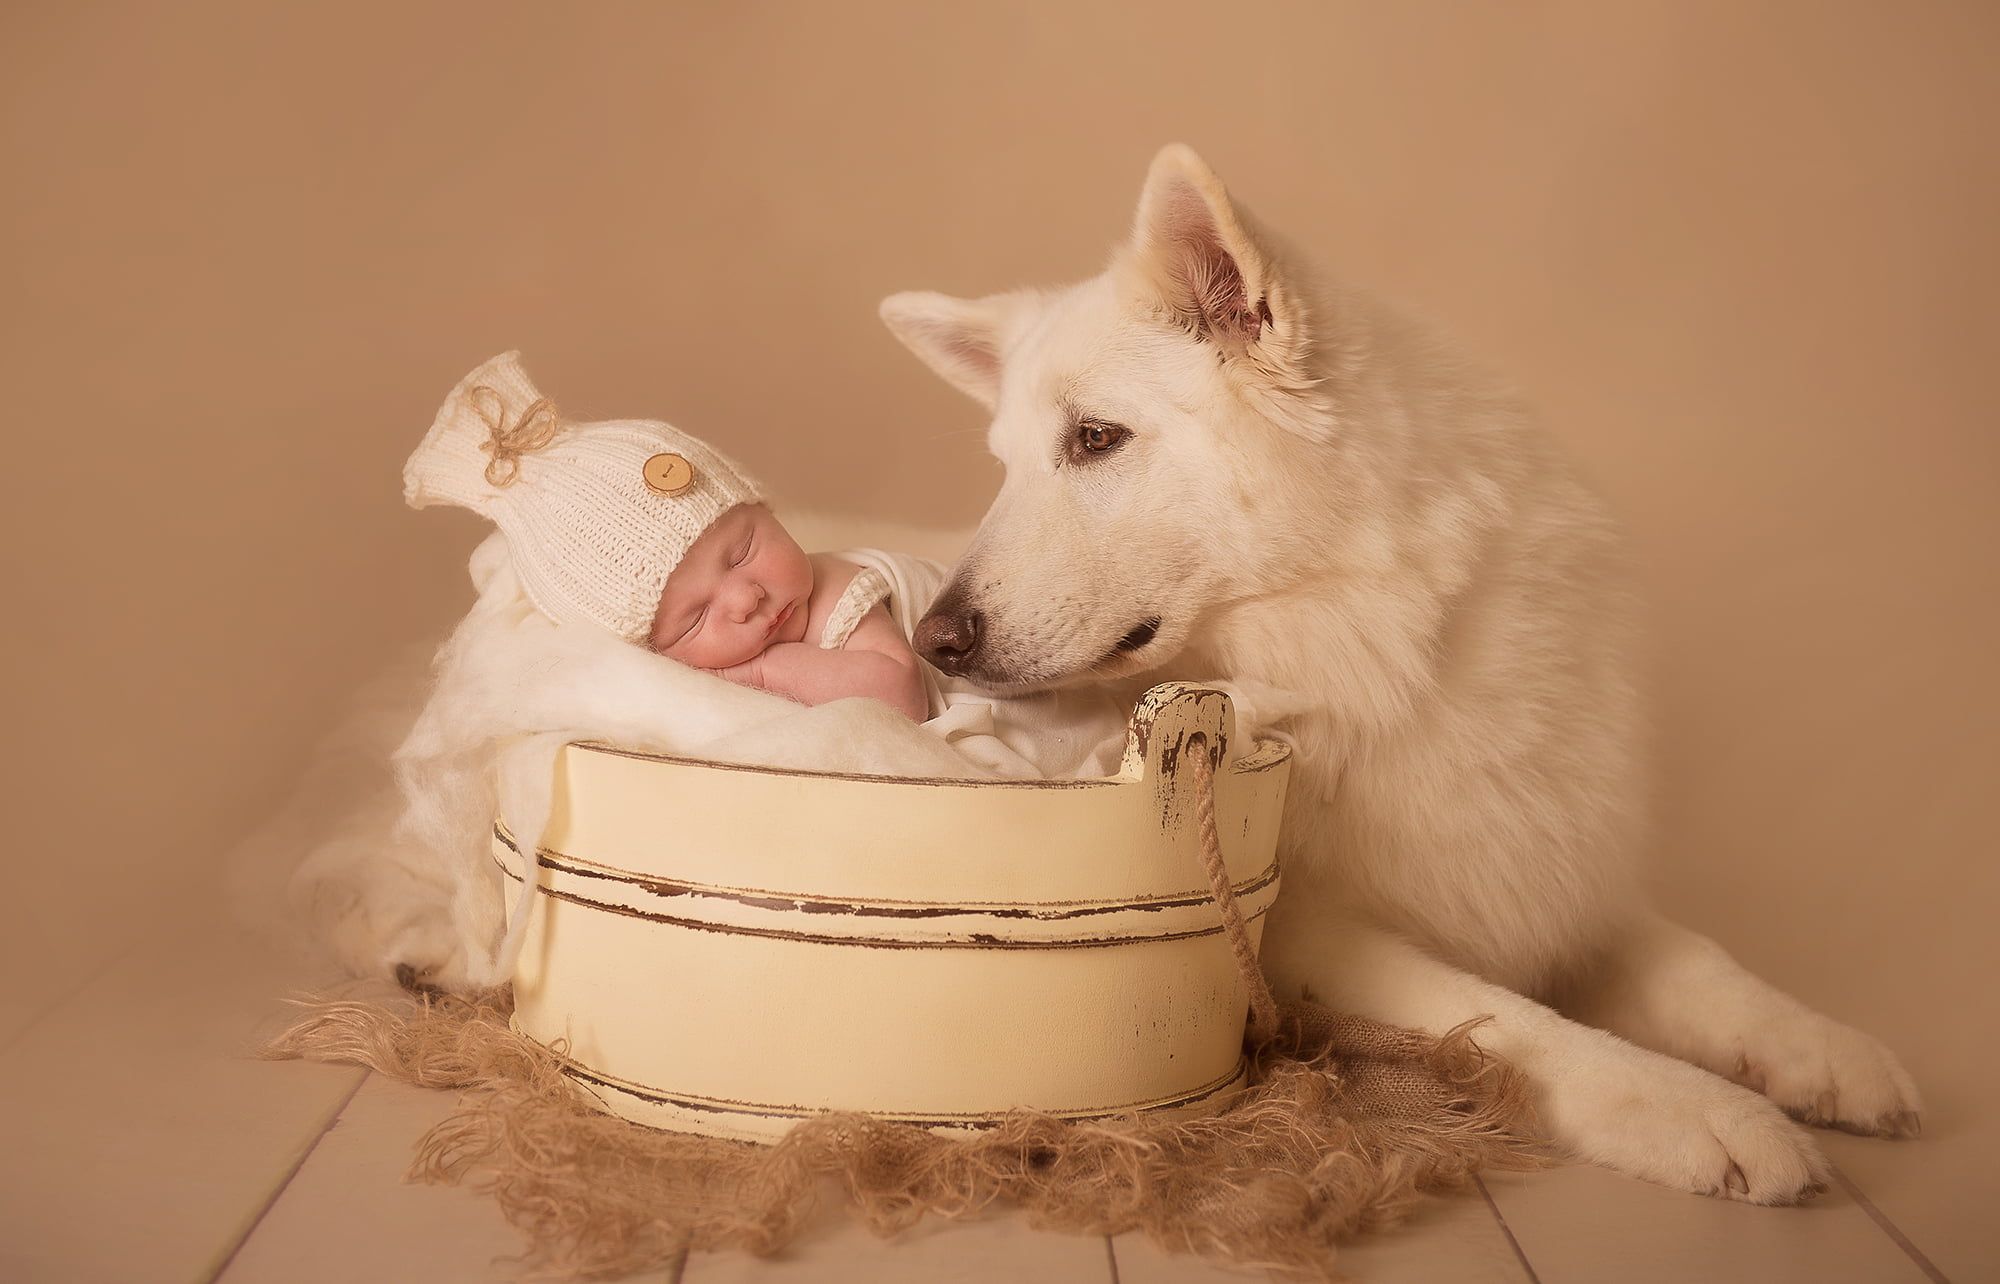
(1346, 1123)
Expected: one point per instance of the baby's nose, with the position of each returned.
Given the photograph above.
(748, 598)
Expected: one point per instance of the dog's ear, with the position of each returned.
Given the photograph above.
(964, 340)
(1195, 254)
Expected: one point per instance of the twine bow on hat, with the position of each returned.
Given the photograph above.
(535, 429)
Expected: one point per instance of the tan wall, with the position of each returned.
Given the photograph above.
(1743, 255)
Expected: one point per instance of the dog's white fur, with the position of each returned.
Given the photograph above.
(1320, 495)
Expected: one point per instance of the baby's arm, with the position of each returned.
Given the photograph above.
(876, 662)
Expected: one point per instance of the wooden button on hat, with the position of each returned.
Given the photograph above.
(668, 474)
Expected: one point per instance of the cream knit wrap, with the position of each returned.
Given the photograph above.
(592, 540)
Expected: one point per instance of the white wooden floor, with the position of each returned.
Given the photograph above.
(139, 1142)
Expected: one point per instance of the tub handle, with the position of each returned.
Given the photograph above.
(1164, 719)
(1178, 742)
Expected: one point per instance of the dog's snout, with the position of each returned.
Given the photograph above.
(948, 636)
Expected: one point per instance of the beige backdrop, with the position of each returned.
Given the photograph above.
(1743, 255)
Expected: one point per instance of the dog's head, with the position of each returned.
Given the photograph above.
(1137, 415)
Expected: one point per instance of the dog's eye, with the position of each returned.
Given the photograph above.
(1095, 438)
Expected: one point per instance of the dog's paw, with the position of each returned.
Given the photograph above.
(1677, 1125)
(1824, 1073)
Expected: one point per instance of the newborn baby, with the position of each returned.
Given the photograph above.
(636, 527)
(746, 602)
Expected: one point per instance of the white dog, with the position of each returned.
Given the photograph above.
(1215, 463)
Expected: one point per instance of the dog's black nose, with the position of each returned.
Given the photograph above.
(947, 637)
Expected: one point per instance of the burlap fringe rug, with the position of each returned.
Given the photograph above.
(1347, 1123)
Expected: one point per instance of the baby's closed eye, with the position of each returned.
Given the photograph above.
(693, 626)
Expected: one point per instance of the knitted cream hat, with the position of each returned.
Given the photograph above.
(596, 515)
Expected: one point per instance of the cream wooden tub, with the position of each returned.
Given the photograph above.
(727, 950)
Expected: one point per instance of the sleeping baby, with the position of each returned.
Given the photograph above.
(638, 528)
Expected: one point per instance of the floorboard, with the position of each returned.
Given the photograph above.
(1582, 1225)
(141, 1139)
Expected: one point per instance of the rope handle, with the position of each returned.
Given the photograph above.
(1263, 1005)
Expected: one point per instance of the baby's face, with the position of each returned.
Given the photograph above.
(741, 588)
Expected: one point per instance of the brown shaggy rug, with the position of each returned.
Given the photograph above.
(1345, 1125)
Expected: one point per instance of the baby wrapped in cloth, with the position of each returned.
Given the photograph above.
(579, 571)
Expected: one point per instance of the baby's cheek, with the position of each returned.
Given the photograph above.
(739, 649)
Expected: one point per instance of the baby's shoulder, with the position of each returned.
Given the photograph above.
(831, 576)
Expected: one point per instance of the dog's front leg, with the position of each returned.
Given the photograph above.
(1674, 990)
(1598, 1097)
